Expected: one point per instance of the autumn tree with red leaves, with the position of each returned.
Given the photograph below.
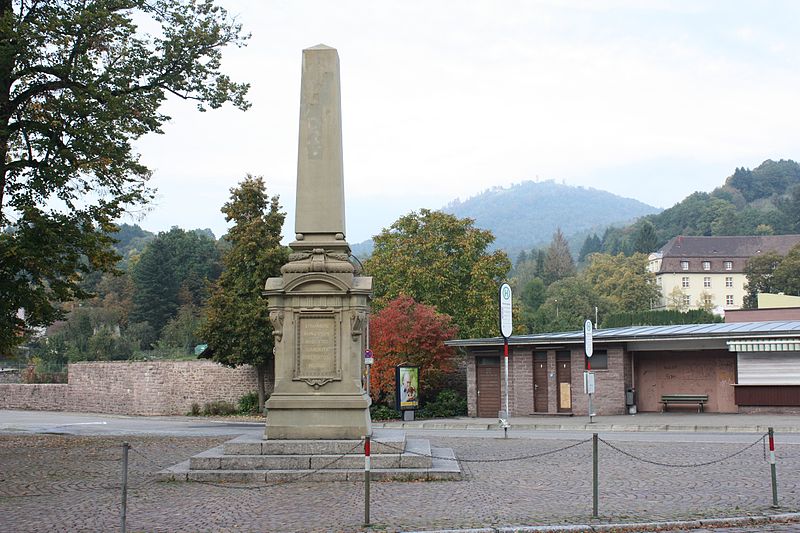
(409, 332)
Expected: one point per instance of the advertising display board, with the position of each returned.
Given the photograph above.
(407, 387)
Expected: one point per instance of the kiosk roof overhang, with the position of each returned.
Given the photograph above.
(647, 334)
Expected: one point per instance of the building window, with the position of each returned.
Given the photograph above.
(684, 265)
(706, 265)
(686, 301)
(729, 299)
(728, 265)
(707, 282)
(707, 300)
(685, 282)
(728, 281)
(599, 360)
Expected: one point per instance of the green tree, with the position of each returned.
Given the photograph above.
(558, 263)
(532, 297)
(155, 298)
(645, 239)
(237, 327)
(79, 84)
(591, 245)
(760, 271)
(786, 276)
(440, 260)
(624, 282)
(569, 302)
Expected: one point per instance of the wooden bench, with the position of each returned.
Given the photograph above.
(699, 399)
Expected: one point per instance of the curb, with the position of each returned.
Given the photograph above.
(594, 428)
(739, 521)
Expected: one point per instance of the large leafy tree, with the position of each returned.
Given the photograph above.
(760, 271)
(237, 327)
(623, 281)
(409, 332)
(79, 83)
(441, 260)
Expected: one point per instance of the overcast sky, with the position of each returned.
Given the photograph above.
(445, 99)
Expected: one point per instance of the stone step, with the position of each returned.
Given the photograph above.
(383, 441)
(417, 455)
(441, 469)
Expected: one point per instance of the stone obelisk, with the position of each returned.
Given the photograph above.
(318, 307)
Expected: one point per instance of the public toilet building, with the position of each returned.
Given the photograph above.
(741, 367)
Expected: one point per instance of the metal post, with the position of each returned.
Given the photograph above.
(369, 367)
(366, 480)
(591, 411)
(772, 469)
(125, 447)
(505, 356)
(595, 481)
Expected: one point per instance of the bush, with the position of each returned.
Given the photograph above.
(195, 411)
(248, 404)
(219, 407)
(383, 412)
(447, 404)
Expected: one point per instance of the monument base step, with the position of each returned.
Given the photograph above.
(398, 459)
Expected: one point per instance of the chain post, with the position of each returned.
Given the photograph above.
(595, 481)
(125, 448)
(366, 479)
(772, 468)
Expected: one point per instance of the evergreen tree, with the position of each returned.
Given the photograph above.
(645, 239)
(591, 245)
(558, 263)
(237, 327)
(155, 297)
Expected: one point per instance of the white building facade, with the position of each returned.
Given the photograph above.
(708, 272)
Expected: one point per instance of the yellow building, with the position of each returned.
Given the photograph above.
(708, 272)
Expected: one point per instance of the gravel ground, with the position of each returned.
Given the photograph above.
(72, 483)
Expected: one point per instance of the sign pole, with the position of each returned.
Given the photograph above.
(588, 348)
(506, 328)
(505, 356)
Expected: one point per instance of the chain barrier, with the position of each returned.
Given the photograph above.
(500, 460)
(683, 465)
(265, 485)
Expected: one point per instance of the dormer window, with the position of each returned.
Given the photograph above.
(684, 265)
(728, 265)
(706, 265)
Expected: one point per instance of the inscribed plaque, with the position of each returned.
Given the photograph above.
(316, 349)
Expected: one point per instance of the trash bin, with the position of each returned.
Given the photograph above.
(630, 401)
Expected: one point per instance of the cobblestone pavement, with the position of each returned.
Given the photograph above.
(72, 483)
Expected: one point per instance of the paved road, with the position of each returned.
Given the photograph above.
(72, 483)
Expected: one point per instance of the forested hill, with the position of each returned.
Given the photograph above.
(526, 215)
(761, 201)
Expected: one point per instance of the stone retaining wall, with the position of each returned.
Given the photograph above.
(136, 388)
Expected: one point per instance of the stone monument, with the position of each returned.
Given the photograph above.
(318, 307)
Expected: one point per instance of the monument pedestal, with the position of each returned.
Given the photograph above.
(305, 416)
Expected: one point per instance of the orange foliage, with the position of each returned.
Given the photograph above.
(409, 332)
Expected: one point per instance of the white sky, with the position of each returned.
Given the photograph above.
(444, 99)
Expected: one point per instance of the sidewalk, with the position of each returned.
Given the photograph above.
(681, 422)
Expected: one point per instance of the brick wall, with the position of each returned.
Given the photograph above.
(609, 397)
(521, 377)
(136, 388)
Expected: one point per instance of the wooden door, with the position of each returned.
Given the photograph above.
(488, 381)
(540, 400)
(563, 382)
